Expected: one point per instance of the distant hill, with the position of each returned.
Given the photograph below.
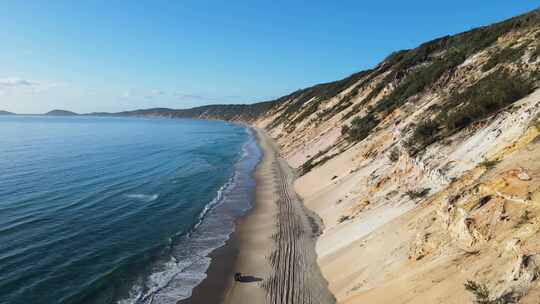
(6, 113)
(238, 112)
(242, 112)
(61, 113)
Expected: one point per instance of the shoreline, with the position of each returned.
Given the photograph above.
(211, 289)
(219, 275)
(273, 245)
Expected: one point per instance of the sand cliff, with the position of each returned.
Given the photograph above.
(434, 196)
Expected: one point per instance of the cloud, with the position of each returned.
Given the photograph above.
(16, 83)
(13, 85)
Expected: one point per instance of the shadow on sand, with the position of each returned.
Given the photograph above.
(248, 279)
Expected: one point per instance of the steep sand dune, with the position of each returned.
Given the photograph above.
(380, 245)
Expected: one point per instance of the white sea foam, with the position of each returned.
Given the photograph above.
(217, 199)
(144, 197)
(185, 268)
(175, 279)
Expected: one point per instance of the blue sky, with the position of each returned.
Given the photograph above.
(117, 55)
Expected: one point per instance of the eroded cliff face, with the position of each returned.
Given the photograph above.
(426, 170)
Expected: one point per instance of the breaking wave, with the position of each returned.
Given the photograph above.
(186, 261)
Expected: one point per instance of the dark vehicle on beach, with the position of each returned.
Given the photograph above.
(238, 277)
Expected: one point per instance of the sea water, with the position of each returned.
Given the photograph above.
(116, 210)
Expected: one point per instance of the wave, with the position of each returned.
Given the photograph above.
(174, 279)
(216, 200)
(170, 283)
(147, 198)
(187, 259)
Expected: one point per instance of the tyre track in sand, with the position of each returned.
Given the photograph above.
(295, 276)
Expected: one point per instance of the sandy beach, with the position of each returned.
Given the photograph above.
(254, 235)
(273, 245)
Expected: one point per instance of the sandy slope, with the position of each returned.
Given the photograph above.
(381, 246)
(408, 220)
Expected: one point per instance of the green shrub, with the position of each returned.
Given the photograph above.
(315, 161)
(423, 135)
(535, 53)
(482, 99)
(418, 81)
(505, 55)
(418, 193)
(344, 129)
(361, 127)
(344, 218)
(482, 295)
(394, 155)
(488, 164)
(479, 290)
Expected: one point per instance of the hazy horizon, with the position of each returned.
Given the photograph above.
(101, 57)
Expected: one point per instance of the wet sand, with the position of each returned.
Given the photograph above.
(211, 289)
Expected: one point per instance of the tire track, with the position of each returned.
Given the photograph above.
(296, 277)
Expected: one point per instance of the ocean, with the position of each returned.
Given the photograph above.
(116, 210)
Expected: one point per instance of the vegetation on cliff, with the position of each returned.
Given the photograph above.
(484, 98)
(415, 71)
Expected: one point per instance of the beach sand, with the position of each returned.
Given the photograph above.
(254, 234)
(218, 275)
(273, 246)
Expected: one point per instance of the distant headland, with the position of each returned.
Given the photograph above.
(60, 113)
